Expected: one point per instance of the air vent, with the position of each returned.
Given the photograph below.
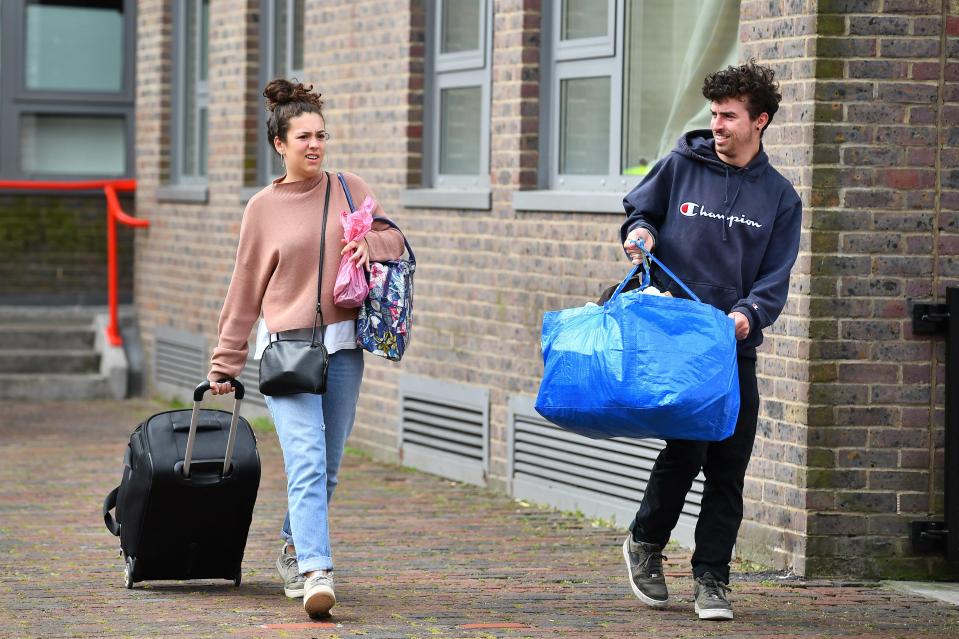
(179, 361)
(599, 477)
(444, 428)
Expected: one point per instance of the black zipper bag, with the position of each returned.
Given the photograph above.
(185, 501)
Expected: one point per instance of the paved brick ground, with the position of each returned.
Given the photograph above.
(417, 556)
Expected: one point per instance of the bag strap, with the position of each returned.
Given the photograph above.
(649, 257)
(346, 190)
(319, 279)
(391, 223)
(108, 504)
(386, 220)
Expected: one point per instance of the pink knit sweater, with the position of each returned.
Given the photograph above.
(277, 262)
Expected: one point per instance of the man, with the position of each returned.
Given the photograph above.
(727, 223)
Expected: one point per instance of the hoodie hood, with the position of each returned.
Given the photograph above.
(699, 145)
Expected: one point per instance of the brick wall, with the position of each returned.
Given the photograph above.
(54, 249)
(850, 433)
(882, 235)
(782, 35)
(486, 277)
(362, 54)
(185, 258)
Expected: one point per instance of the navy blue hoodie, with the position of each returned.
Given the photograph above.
(730, 233)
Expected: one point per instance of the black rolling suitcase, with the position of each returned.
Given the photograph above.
(184, 504)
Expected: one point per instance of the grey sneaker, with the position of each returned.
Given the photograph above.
(318, 595)
(711, 602)
(290, 573)
(645, 565)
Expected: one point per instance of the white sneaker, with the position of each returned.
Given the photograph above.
(318, 595)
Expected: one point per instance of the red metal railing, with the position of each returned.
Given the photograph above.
(114, 214)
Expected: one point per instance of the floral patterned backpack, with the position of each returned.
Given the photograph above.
(385, 322)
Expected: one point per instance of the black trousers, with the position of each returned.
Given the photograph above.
(724, 466)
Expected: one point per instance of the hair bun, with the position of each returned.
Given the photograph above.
(281, 91)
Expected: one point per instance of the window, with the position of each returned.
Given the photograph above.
(281, 53)
(458, 108)
(72, 144)
(456, 119)
(71, 47)
(66, 94)
(190, 88)
(287, 29)
(624, 81)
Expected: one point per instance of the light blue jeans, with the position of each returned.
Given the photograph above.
(312, 430)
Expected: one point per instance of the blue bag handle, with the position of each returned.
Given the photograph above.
(642, 285)
(647, 258)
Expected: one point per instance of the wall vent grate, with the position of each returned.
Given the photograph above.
(179, 361)
(444, 428)
(599, 477)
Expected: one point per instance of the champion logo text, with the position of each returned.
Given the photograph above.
(693, 209)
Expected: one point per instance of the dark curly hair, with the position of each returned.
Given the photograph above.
(285, 100)
(753, 81)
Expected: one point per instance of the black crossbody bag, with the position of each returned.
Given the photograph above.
(291, 366)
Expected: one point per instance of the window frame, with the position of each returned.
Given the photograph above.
(460, 60)
(80, 111)
(201, 93)
(586, 58)
(17, 100)
(578, 193)
(576, 70)
(595, 47)
(463, 69)
(265, 154)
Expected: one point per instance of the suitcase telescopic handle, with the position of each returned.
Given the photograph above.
(198, 394)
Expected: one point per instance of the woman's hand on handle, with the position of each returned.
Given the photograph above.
(220, 388)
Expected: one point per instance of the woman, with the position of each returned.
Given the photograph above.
(276, 275)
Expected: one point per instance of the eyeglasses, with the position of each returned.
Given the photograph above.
(322, 136)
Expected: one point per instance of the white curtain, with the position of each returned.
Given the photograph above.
(671, 45)
(714, 45)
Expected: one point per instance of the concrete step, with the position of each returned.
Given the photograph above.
(46, 336)
(60, 352)
(49, 361)
(46, 386)
(57, 314)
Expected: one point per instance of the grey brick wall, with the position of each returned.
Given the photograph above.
(781, 35)
(882, 236)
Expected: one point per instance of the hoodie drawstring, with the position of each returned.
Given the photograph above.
(730, 204)
(726, 188)
(726, 202)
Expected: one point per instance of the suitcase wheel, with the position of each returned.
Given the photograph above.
(237, 579)
(128, 572)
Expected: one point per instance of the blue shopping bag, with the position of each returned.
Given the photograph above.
(641, 366)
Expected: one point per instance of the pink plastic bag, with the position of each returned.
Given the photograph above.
(351, 286)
